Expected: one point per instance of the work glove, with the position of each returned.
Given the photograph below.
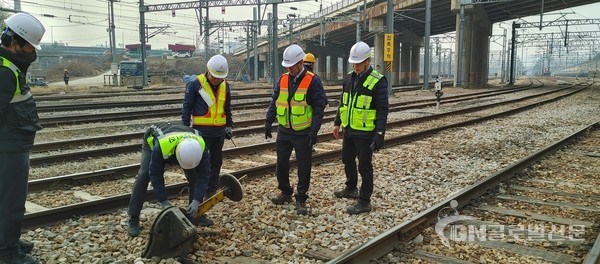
(229, 132)
(192, 209)
(268, 131)
(377, 142)
(165, 204)
(312, 138)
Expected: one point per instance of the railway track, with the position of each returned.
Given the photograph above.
(538, 214)
(44, 108)
(64, 120)
(256, 231)
(46, 217)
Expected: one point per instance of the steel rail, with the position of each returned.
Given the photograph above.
(42, 218)
(129, 115)
(386, 242)
(137, 103)
(77, 155)
(50, 146)
(49, 159)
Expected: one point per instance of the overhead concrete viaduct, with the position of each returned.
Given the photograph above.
(409, 32)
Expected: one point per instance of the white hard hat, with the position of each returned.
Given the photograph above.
(292, 55)
(28, 27)
(188, 153)
(359, 52)
(218, 67)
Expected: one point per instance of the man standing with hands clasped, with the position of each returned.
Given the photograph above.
(298, 104)
(207, 108)
(363, 115)
(19, 123)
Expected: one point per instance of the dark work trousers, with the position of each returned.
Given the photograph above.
(215, 149)
(285, 143)
(14, 173)
(140, 186)
(351, 148)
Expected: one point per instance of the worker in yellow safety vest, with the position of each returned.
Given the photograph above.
(19, 123)
(298, 105)
(363, 114)
(207, 108)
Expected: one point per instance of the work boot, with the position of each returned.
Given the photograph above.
(346, 194)
(359, 208)
(26, 246)
(134, 227)
(17, 257)
(281, 198)
(301, 208)
(204, 221)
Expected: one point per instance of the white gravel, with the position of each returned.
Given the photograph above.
(408, 179)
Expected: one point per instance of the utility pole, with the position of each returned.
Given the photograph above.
(512, 52)
(206, 35)
(459, 52)
(427, 54)
(390, 30)
(357, 24)
(439, 54)
(18, 5)
(255, 27)
(502, 54)
(275, 41)
(449, 63)
(113, 42)
(271, 44)
(143, 44)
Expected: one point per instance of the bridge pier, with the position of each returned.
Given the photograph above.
(415, 62)
(405, 63)
(478, 76)
(475, 54)
(378, 63)
(396, 63)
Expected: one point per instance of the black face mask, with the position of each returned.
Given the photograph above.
(28, 57)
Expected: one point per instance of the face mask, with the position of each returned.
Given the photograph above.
(28, 57)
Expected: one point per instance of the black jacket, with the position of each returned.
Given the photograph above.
(315, 97)
(18, 121)
(193, 104)
(352, 84)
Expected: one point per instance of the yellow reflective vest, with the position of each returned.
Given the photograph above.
(18, 96)
(215, 116)
(168, 142)
(295, 112)
(356, 110)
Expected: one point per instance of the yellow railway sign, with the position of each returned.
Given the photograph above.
(388, 47)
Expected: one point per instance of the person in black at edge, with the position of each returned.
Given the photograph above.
(298, 104)
(363, 114)
(19, 123)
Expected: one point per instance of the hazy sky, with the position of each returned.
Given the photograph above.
(85, 22)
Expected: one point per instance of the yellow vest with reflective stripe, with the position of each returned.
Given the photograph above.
(356, 110)
(168, 142)
(17, 97)
(295, 113)
(215, 116)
